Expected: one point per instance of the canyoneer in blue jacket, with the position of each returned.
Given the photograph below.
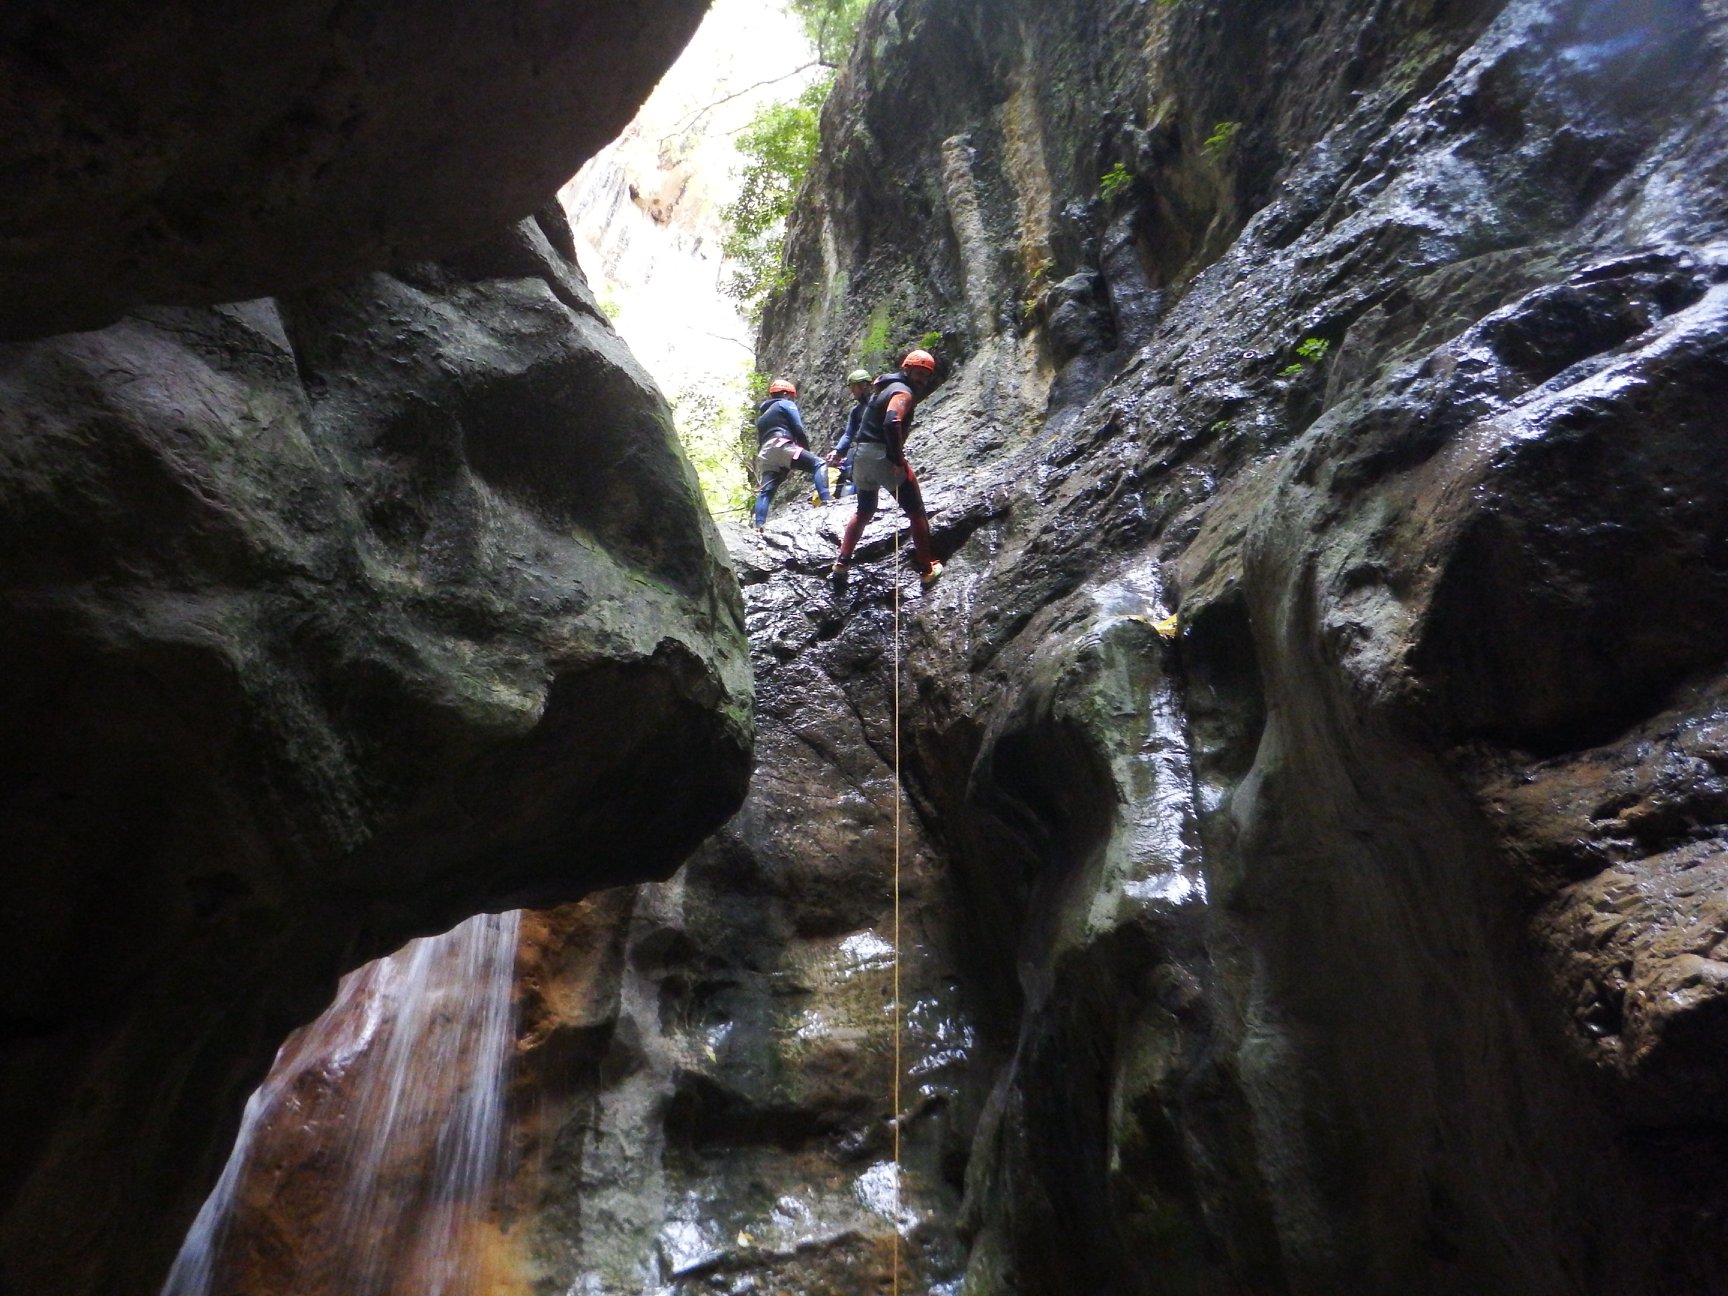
(840, 457)
(782, 444)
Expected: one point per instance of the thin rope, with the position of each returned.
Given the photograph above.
(898, 1204)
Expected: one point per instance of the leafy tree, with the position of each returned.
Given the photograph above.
(714, 424)
(830, 25)
(778, 147)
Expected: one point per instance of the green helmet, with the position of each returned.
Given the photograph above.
(858, 376)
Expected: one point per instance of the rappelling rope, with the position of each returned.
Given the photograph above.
(898, 1208)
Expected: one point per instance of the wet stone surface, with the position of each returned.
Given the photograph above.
(1368, 935)
(743, 1136)
(1369, 938)
(331, 619)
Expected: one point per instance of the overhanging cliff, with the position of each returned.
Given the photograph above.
(333, 615)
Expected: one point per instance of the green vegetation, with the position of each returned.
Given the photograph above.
(1309, 351)
(830, 26)
(1217, 144)
(883, 344)
(873, 348)
(1114, 183)
(1036, 285)
(716, 426)
(778, 148)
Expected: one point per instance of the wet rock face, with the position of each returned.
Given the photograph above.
(215, 152)
(331, 619)
(367, 1162)
(1368, 936)
(704, 1095)
(733, 1131)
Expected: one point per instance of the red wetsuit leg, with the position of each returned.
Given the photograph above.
(921, 540)
(849, 540)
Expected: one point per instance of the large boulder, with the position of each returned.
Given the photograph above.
(332, 618)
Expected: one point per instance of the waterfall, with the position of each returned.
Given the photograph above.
(393, 1101)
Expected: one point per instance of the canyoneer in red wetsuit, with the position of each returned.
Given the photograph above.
(879, 459)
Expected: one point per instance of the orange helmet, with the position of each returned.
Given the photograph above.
(919, 360)
(782, 387)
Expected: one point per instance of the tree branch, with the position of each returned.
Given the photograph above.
(689, 123)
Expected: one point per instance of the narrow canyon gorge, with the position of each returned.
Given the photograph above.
(1284, 854)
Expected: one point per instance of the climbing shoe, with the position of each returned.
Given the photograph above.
(931, 573)
(839, 572)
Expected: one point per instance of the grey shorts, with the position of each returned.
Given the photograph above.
(872, 470)
(776, 454)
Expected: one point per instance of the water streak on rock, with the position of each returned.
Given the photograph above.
(402, 1081)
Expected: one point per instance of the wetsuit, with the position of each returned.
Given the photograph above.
(879, 459)
(782, 444)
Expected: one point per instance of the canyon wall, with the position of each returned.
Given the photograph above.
(734, 1123)
(703, 1094)
(335, 614)
(1367, 933)
(1370, 935)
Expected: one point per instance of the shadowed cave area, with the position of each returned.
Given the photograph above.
(1281, 855)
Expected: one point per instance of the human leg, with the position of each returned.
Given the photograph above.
(865, 511)
(911, 500)
(817, 470)
(765, 496)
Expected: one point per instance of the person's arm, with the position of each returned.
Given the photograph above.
(894, 425)
(845, 442)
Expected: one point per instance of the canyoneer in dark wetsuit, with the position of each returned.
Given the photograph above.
(858, 383)
(879, 459)
(782, 444)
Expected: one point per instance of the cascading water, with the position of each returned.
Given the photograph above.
(406, 1070)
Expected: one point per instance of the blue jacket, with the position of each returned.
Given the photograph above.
(854, 420)
(778, 416)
